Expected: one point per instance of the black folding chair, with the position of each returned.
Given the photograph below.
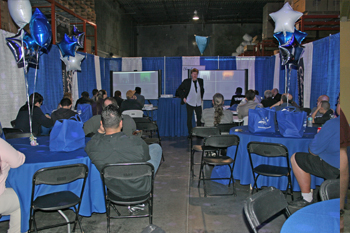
(201, 132)
(128, 184)
(218, 143)
(270, 150)
(17, 135)
(330, 189)
(225, 127)
(58, 201)
(263, 205)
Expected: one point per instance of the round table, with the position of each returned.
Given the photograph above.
(319, 217)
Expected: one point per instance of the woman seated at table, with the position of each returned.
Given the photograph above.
(216, 115)
(9, 203)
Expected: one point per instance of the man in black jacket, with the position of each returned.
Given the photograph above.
(191, 92)
(38, 117)
(64, 112)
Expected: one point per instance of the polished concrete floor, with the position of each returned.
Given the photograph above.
(179, 206)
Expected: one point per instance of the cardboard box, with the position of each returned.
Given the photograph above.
(88, 45)
(310, 5)
(249, 48)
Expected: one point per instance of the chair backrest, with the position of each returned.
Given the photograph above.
(330, 189)
(263, 205)
(225, 128)
(307, 110)
(141, 119)
(221, 141)
(128, 180)
(267, 149)
(245, 120)
(133, 113)
(205, 131)
(84, 111)
(17, 135)
(60, 174)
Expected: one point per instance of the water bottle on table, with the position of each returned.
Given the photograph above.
(309, 121)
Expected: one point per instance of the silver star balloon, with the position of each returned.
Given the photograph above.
(285, 19)
(73, 63)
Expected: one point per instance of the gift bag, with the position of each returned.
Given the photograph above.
(261, 120)
(84, 111)
(291, 124)
(67, 135)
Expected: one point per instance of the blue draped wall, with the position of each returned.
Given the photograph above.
(264, 70)
(87, 75)
(49, 79)
(173, 74)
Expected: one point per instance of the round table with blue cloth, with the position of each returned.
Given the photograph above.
(242, 170)
(319, 217)
(37, 157)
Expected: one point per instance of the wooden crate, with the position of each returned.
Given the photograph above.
(88, 45)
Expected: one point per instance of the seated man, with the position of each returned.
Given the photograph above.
(64, 112)
(110, 145)
(268, 101)
(38, 118)
(83, 100)
(247, 103)
(118, 98)
(322, 160)
(324, 108)
(319, 100)
(283, 103)
(93, 124)
(238, 97)
(130, 103)
(276, 96)
(139, 97)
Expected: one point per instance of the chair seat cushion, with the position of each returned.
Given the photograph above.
(56, 201)
(270, 170)
(220, 160)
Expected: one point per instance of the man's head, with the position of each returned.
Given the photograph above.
(274, 91)
(194, 74)
(256, 92)
(130, 94)
(322, 98)
(238, 90)
(117, 94)
(38, 99)
(103, 93)
(85, 95)
(110, 101)
(325, 106)
(284, 98)
(250, 95)
(268, 94)
(138, 90)
(66, 103)
(94, 92)
(68, 95)
(111, 119)
(218, 99)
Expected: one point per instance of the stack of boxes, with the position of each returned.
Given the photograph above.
(7, 23)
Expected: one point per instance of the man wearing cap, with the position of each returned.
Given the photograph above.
(131, 102)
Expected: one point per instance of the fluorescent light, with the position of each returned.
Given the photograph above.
(195, 16)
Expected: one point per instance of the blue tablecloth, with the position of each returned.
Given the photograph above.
(319, 217)
(242, 170)
(20, 179)
(172, 118)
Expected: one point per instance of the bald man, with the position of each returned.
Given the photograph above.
(283, 102)
(319, 100)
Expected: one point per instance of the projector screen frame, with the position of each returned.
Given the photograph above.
(159, 80)
(245, 88)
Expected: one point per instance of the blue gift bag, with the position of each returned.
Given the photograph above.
(291, 124)
(261, 120)
(67, 135)
(84, 111)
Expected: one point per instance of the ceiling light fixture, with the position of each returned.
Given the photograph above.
(195, 16)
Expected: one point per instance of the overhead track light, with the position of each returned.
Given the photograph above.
(195, 16)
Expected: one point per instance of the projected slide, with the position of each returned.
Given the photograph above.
(147, 80)
(222, 81)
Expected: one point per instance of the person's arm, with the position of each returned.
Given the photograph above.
(39, 116)
(278, 103)
(182, 90)
(313, 115)
(10, 155)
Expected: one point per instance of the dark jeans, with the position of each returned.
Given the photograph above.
(190, 109)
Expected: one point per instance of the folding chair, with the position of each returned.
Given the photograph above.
(270, 150)
(133, 113)
(128, 184)
(17, 135)
(58, 201)
(225, 127)
(330, 189)
(201, 132)
(218, 143)
(263, 205)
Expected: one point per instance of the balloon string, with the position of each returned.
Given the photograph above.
(36, 74)
(288, 85)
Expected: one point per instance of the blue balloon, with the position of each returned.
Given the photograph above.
(299, 35)
(284, 39)
(67, 46)
(29, 41)
(40, 29)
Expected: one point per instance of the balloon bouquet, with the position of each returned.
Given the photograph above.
(26, 47)
(289, 38)
(68, 47)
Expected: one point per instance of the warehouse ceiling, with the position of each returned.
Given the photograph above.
(153, 12)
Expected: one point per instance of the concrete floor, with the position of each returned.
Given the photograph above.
(179, 206)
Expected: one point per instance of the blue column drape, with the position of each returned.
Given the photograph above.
(111, 64)
(49, 79)
(87, 75)
(154, 64)
(210, 63)
(226, 63)
(173, 74)
(264, 71)
(333, 84)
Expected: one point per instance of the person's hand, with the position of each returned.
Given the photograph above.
(318, 106)
(185, 100)
(101, 130)
(48, 116)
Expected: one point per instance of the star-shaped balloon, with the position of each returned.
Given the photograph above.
(15, 45)
(40, 29)
(299, 35)
(73, 63)
(78, 37)
(284, 38)
(285, 19)
(67, 46)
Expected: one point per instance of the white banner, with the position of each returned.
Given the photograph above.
(276, 74)
(247, 63)
(132, 63)
(307, 57)
(190, 63)
(98, 73)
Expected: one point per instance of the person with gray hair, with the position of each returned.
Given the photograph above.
(216, 115)
(268, 101)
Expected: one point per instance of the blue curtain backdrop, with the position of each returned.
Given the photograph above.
(154, 63)
(264, 71)
(87, 75)
(333, 84)
(226, 63)
(173, 74)
(49, 79)
(210, 63)
(111, 64)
